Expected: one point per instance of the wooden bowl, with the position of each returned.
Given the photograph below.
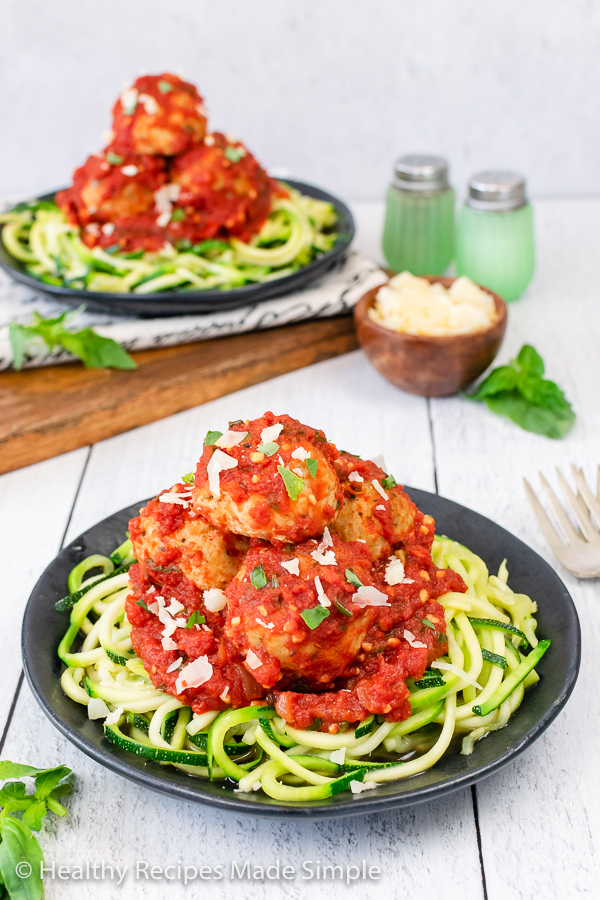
(431, 366)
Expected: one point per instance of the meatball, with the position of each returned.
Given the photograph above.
(276, 586)
(271, 478)
(382, 516)
(110, 190)
(224, 191)
(170, 535)
(158, 114)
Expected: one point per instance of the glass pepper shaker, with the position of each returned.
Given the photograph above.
(418, 234)
(494, 241)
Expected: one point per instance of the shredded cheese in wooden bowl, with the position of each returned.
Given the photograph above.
(415, 306)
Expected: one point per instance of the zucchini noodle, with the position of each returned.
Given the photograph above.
(299, 229)
(475, 690)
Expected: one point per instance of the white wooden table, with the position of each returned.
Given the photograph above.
(533, 830)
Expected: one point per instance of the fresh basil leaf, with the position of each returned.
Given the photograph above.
(537, 419)
(143, 604)
(351, 578)
(427, 623)
(12, 790)
(234, 154)
(195, 619)
(16, 770)
(96, 352)
(389, 482)
(19, 845)
(258, 578)
(530, 361)
(177, 215)
(47, 781)
(313, 617)
(268, 449)
(18, 341)
(293, 483)
(165, 86)
(212, 437)
(504, 378)
(34, 815)
(312, 466)
(188, 479)
(114, 159)
(342, 609)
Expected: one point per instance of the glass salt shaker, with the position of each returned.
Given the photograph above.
(418, 234)
(494, 241)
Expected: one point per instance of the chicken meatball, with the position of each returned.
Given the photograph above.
(294, 613)
(158, 114)
(168, 534)
(224, 191)
(109, 192)
(271, 478)
(374, 510)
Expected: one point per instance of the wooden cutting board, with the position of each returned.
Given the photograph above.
(53, 409)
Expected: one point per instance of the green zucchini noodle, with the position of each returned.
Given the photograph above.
(299, 229)
(464, 696)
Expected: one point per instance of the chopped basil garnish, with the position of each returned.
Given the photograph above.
(177, 215)
(441, 638)
(188, 479)
(389, 482)
(235, 421)
(234, 154)
(258, 577)
(274, 582)
(195, 619)
(314, 616)
(293, 484)
(212, 437)
(342, 609)
(114, 159)
(352, 579)
(268, 449)
(311, 465)
(142, 604)
(427, 623)
(165, 86)
(114, 248)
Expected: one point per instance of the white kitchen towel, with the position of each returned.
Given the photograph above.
(335, 293)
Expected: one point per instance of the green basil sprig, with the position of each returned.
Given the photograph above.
(519, 392)
(94, 351)
(21, 856)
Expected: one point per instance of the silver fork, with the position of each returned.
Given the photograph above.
(580, 555)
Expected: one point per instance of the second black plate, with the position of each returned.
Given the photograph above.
(43, 629)
(181, 303)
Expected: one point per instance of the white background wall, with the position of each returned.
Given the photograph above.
(332, 90)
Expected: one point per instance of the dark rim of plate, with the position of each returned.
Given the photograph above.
(528, 573)
(166, 303)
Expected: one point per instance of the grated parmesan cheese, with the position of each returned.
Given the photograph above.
(367, 595)
(354, 476)
(149, 104)
(194, 674)
(113, 717)
(410, 638)
(379, 489)
(214, 599)
(321, 595)
(174, 497)
(265, 624)
(175, 665)
(270, 434)
(394, 572)
(300, 453)
(292, 566)
(218, 463)
(130, 170)
(97, 708)
(357, 787)
(168, 644)
(324, 559)
(338, 756)
(230, 439)
(107, 228)
(253, 660)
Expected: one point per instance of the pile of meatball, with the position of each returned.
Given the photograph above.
(163, 179)
(290, 572)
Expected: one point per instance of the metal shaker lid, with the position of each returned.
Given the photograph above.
(421, 172)
(497, 191)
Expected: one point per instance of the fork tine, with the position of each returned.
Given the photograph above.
(578, 506)
(548, 530)
(588, 497)
(559, 512)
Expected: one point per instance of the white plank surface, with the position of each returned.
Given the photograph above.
(539, 817)
(35, 504)
(539, 825)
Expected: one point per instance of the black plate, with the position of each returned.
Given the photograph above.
(43, 629)
(181, 303)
